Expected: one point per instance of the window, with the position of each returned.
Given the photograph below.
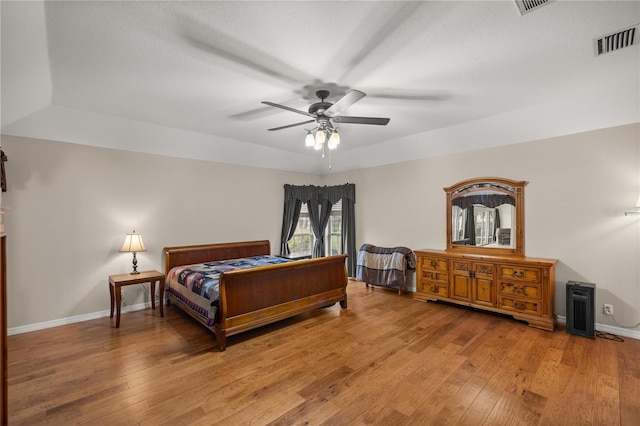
(333, 233)
(485, 219)
(457, 223)
(301, 244)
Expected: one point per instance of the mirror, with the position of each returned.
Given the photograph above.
(486, 216)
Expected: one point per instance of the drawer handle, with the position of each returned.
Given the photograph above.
(520, 306)
(520, 289)
(433, 289)
(434, 276)
(518, 274)
(434, 264)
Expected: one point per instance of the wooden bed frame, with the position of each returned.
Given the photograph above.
(250, 298)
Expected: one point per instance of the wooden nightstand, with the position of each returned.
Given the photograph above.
(118, 281)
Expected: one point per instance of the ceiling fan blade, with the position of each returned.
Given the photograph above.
(408, 95)
(289, 109)
(344, 102)
(362, 120)
(293, 125)
(206, 38)
(377, 49)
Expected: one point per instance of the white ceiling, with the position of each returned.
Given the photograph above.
(187, 78)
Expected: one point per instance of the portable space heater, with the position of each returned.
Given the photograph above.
(580, 309)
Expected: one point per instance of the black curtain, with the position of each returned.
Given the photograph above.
(349, 233)
(3, 176)
(319, 200)
(289, 221)
(470, 226)
(319, 212)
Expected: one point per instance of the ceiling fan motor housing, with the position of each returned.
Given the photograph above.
(319, 107)
(322, 105)
(322, 94)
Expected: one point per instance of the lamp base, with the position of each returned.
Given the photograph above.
(135, 265)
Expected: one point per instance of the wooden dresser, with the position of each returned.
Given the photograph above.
(522, 287)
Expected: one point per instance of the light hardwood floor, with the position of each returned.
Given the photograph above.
(386, 360)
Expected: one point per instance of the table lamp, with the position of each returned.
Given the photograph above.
(133, 243)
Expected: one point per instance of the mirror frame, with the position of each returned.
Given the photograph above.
(507, 186)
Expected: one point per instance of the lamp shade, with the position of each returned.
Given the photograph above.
(133, 243)
(320, 137)
(334, 140)
(309, 140)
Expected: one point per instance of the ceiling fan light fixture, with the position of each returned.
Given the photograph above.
(334, 140)
(322, 113)
(320, 137)
(309, 141)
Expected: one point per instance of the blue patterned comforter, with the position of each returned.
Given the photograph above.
(204, 278)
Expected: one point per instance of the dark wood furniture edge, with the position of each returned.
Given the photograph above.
(293, 288)
(189, 255)
(117, 281)
(3, 324)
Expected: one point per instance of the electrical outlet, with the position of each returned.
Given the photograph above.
(607, 309)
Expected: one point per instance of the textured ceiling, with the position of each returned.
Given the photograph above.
(187, 78)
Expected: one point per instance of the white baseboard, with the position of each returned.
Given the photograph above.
(634, 334)
(74, 319)
(619, 331)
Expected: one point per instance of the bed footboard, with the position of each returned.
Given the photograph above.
(250, 298)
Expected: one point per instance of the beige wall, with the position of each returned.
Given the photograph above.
(579, 187)
(71, 205)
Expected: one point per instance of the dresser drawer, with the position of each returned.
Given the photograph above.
(520, 273)
(429, 264)
(525, 306)
(439, 289)
(521, 289)
(441, 277)
(433, 275)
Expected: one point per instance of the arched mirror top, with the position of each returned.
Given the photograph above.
(486, 216)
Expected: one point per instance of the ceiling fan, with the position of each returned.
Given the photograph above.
(325, 114)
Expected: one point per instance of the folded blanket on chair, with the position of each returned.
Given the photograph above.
(385, 266)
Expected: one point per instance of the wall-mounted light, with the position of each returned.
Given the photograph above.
(636, 211)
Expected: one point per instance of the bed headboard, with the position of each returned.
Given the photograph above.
(188, 255)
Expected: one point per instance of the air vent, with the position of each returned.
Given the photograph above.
(616, 41)
(526, 6)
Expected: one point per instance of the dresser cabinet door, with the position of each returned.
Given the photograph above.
(484, 284)
(473, 282)
(462, 276)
